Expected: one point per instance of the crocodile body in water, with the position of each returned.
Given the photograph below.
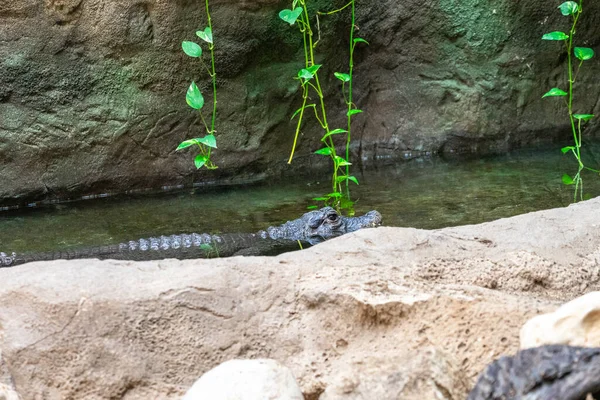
(311, 228)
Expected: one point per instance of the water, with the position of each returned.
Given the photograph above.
(426, 193)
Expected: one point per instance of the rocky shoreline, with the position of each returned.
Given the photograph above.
(340, 315)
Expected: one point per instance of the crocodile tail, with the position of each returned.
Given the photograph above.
(7, 260)
(10, 260)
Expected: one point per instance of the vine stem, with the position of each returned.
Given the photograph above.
(575, 130)
(314, 83)
(213, 74)
(571, 82)
(319, 91)
(203, 121)
(304, 94)
(349, 101)
(338, 10)
(304, 98)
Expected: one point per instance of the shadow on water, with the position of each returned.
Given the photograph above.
(423, 193)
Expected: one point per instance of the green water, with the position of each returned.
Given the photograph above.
(426, 193)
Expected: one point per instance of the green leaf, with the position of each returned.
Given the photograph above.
(360, 40)
(320, 198)
(347, 204)
(300, 109)
(308, 73)
(584, 117)
(567, 149)
(290, 16)
(205, 35)
(342, 77)
(555, 36)
(583, 53)
(346, 178)
(333, 132)
(314, 68)
(193, 97)
(554, 92)
(191, 49)
(567, 180)
(353, 112)
(208, 140)
(305, 74)
(312, 207)
(568, 8)
(186, 144)
(200, 160)
(334, 195)
(341, 162)
(325, 151)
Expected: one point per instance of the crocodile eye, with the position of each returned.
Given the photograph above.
(332, 217)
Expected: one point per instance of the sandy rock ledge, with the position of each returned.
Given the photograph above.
(387, 310)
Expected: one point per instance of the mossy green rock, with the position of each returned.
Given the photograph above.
(92, 92)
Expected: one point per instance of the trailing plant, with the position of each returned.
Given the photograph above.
(310, 82)
(574, 10)
(195, 99)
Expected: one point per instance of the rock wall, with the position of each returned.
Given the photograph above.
(91, 91)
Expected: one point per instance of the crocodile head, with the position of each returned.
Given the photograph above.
(326, 223)
(319, 225)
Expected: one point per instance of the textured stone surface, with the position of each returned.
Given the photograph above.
(91, 91)
(7, 391)
(425, 373)
(576, 323)
(88, 329)
(246, 380)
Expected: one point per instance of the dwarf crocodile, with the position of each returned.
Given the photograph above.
(311, 228)
(551, 372)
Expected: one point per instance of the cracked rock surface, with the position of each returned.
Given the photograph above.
(341, 315)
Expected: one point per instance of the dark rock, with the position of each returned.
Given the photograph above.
(542, 373)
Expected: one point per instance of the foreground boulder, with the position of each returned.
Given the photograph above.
(6, 393)
(246, 380)
(542, 373)
(90, 329)
(576, 323)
